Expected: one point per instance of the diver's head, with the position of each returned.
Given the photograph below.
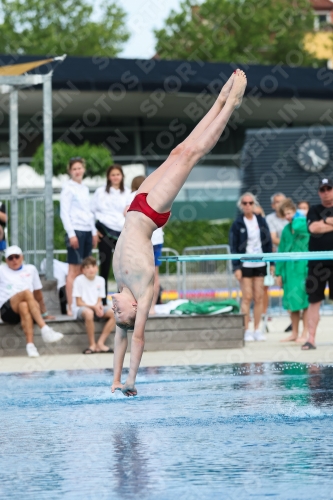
(124, 308)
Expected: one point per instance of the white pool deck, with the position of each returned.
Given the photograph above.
(254, 352)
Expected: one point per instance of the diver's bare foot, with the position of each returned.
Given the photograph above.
(291, 338)
(69, 311)
(225, 91)
(238, 88)
(116, 385)
(152, 311)
(129, 390)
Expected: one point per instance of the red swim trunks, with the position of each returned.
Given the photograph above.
(139, 204)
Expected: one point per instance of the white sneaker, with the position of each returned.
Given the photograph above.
(259, 336)
(32, 351)
(50, 335)
(249, 336)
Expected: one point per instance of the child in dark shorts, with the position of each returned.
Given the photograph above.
(88, 292)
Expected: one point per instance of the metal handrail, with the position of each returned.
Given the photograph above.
(21, 196)
(176, 254)
(63, 251)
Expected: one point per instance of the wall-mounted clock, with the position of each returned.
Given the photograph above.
(313, 155)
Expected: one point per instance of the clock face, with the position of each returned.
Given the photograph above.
(313, 155)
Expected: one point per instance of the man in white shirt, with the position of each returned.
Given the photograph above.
(19, 287)
(88, 292)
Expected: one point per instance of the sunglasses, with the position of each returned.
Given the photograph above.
(247, 202)
(325, 188)
(76, 158)
(14, 256)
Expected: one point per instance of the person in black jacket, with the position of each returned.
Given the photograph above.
(250, 234)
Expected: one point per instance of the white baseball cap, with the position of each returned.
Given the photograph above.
(325, 182)
(13, 250)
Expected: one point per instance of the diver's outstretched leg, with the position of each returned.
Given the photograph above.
(162, 195)
(204, 123)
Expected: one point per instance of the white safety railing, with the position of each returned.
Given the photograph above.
(208, 274)
(31, 226)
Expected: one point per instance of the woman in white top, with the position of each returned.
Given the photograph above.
(157, 240)
(249, 233)
(78, 221)
(108, 206)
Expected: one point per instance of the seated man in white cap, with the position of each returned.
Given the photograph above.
(18, 282)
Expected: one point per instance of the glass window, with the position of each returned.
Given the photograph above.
(321, 20)
(210, 183)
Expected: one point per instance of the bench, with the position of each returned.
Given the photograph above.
(163, 333)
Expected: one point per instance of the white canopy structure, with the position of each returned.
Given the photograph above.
(29, 181)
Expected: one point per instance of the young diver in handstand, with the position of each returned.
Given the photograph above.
(133, 261)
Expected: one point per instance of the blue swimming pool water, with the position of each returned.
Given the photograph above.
(219, 432)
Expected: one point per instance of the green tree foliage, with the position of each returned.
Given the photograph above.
(241, 31)
(98, 158)
(55, 27)
(180, 234)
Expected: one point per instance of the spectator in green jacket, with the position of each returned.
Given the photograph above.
(291, 275)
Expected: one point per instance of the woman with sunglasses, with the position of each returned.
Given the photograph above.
(78, 221)
(250, 234)
(108, 206)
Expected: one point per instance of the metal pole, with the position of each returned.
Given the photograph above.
(178, 280)
(137, 140)
(35, 230)
(13, 132)
(184, 279)
(25, 239)
(48, 172)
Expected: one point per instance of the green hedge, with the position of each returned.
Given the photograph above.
(177, 234)
(59, 231)
(98, 158)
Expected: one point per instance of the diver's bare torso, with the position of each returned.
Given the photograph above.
(133, 260)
